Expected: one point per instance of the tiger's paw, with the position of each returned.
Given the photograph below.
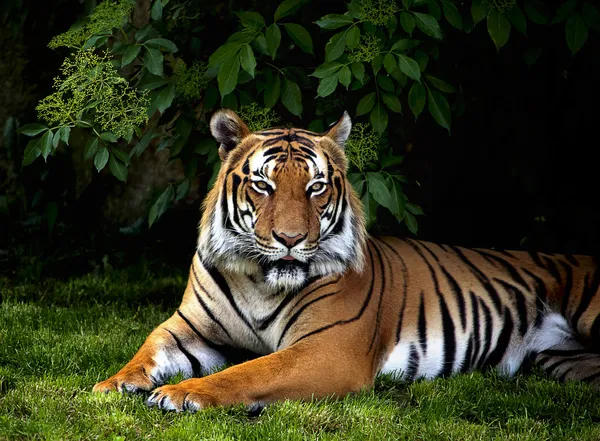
(178, 398)
(133, 381)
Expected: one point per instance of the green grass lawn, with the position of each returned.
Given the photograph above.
(58, 338)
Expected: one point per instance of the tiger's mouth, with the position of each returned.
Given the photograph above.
(286, 274)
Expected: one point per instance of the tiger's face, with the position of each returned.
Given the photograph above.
(281, 207)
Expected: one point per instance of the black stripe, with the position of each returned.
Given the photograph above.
(357, 316)
(381, 293)
(264, 323)
(591, 378)
(503, 340)
(422, 329)
(449, 337)
(514, 274)
(222, 284)
(553, 366)
(552, 269)
(466, 364)
(565, 352)
(196, 366)
(589, 291)
(536, 259)
(571, 259)
(519, 299)
(568, 288)
(413, 363)
(541, 296)
(487, 336)
(476, 325)
(458, 295)
(204, 339)
(205, 307)
(563, 376)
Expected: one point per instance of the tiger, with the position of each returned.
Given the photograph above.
(289, 297)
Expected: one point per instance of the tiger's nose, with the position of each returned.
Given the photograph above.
(288, 241)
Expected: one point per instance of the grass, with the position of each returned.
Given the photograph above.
(58, 338)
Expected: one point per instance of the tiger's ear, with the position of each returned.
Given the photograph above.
(228, 129)
(340, 131)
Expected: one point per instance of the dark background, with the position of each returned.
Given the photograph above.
(524, 148)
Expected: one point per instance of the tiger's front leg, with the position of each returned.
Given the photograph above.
(170, 349)
(302, 371)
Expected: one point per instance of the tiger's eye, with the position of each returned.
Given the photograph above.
(317, 186)
(262, 185)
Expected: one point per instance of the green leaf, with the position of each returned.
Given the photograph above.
(358, 70)
(564, 11)
(326, 69)
(400, 77)
(370, 208)
(251, 19)
(161, 205)
(407, 21)
(335, 47)
(397, 206)
(345, 76)
(130, 53)
(385, 83)
(389, 62)
(479, 10)
(577, 32)
(406, 4)
(142, 33)
(392, 160)
(498, 28)
(164, 99)
(537, 12)
(46, 144)
(353, 37)
(32, 129)
(272, 92)
(531, 55)
(32, 151)
(392, 24)
(91, 147)
(327, 86)
(365, 104)
(288, 7)
(411, 223)
(64, 133)
(108, 137)
(409, 67)
(161, 43)
(224, 53)
(229, 101)
(417, 98)
(591, 16)
(117, 168)
(228, 75)
(404, 44)
(300, 36)
(101, 158)
(392, 102)
(434, 9)
(422, 59)
(291, 97)
(428, 25)
(452, 15)
(157, 10)
(357, 181)
(142, 144)
(377, 63)
(93, 40)
(273, 35)
(517, 18)
(439, 108)
(247, 59)
(153, 61)
(440, 84)
(334, 21)
(414, 209)
(182, 189)
(379, 118)
(378, 189)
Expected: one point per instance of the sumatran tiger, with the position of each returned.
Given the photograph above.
(285, 270)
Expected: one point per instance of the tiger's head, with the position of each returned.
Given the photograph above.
(281, 207)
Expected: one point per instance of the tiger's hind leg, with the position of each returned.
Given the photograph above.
(571, 361)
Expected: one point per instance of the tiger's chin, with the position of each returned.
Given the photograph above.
(286, 276)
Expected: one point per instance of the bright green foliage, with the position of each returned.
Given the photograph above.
(107, 15)
(378, 12)
(257, 117)
(90, 85)
(367, 49)
(361, 147)
(190, 81)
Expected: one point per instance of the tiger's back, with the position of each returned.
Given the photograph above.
(285, 270)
